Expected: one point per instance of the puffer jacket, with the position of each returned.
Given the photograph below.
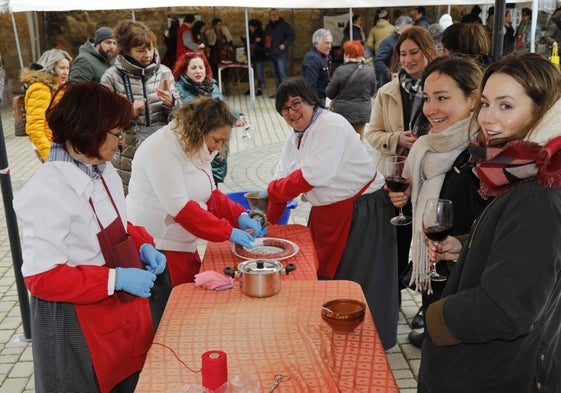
(143, 84)
(40, 88)
(352, 101)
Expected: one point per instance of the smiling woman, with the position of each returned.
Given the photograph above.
(324, 160)
(438, 164)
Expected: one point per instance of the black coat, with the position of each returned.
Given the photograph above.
(502, 302)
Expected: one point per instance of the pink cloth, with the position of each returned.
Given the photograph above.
(213, 280)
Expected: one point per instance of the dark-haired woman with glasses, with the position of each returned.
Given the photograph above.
(324, 160)
(89, 271)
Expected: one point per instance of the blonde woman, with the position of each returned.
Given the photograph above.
(41, 80)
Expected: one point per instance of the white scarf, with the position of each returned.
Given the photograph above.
(430, 158)
(203, 158)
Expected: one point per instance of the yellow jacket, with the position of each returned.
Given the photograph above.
(41, 87)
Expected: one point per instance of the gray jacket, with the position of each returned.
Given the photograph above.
(352, 101)
(143, 84)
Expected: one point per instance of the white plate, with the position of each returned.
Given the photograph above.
(260, 250)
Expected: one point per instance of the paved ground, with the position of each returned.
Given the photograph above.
(253, 156)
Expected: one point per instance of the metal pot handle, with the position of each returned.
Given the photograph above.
(289, 268)
(229, 271)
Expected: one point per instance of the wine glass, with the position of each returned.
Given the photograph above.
(437, 223)
(393, 166)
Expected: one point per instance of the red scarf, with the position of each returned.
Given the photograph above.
(502, 168)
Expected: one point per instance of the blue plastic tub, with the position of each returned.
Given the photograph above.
(238, 197)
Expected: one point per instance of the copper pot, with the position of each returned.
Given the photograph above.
(260, 277)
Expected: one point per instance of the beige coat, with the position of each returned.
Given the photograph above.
(378, 33)
(386, 121)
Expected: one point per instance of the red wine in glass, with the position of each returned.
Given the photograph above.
(437, 233)
(392, 171)
(437, 223)
(397, 183)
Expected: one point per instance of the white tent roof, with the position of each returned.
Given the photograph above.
(3, 5)
(66, 5)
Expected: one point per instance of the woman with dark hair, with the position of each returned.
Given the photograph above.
(496, 327)
(138, 75)
(185, 205)
(219, 40)
(397, 120)
(438, 164)
(88, 270)
(324, 160)
(199, 32)
(193, 76)
(257, 51)
(467, 39)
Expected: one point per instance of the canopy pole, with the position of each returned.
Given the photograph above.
(249, 67)
(13, 236)
(535, 11)
(350, 23)
(17, 40)
(498, 23)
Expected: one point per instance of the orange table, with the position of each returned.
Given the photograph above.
(282, 334)
(219, 255)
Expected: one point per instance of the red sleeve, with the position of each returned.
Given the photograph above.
(203, 223)
(139, 235)
(221, 206)
(84, 284)
(287, 188)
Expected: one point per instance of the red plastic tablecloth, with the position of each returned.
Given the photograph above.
(219, 255)
(282, 334)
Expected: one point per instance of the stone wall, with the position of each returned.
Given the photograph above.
(68, 30)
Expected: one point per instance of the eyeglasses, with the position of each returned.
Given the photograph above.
(296, 105)
(119, 135)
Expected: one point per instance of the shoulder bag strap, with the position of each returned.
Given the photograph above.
(350, 79)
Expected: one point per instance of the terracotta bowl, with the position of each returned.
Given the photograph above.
(343, 315)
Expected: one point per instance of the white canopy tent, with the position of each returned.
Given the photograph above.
(65, 5)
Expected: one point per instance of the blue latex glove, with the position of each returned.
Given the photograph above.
(134, 281)
(242, 238)
(263, 193)
(155, 261)
(246, 222)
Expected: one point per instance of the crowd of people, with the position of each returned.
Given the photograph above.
(134, 148)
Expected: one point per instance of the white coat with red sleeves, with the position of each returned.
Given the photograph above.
(174, 197)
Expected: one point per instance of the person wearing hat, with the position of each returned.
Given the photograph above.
(94, 56)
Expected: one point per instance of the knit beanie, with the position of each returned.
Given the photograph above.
(102, 34)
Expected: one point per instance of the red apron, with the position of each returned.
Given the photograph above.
(330, 226)
(118, 330)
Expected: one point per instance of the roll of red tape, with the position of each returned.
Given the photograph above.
(214, 369)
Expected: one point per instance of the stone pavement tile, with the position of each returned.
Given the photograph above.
(14, 385)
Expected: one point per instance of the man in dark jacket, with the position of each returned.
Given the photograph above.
(278, 36)
(94, 57)
(383, 59)
(315, 65)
